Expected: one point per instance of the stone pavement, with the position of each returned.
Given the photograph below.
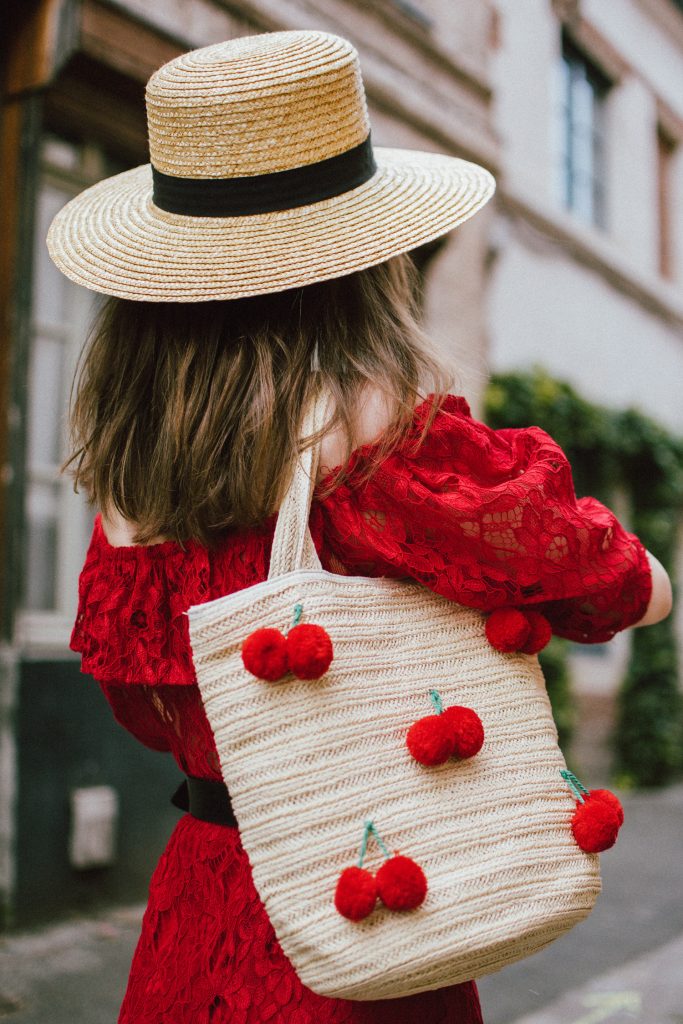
(70, 973)
(638, 913)
(74, 973)
(648, 989)
(624, 963)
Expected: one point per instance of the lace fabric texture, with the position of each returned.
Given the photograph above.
(208, 954)
(486, 518)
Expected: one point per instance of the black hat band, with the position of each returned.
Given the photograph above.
(265, 193)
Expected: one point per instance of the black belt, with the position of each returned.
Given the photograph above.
(207, 799)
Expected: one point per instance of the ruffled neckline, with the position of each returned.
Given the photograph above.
(162, 549)
(132, 626)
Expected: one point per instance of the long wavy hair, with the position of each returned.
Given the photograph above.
(186, 416)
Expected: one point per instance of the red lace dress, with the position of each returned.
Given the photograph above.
(483, 517)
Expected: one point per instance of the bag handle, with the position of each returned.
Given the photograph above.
(293, 546)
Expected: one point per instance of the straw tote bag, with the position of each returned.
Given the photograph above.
(309, 761)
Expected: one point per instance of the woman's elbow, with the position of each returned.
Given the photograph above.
(661, 599)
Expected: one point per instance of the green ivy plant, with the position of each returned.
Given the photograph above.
(612, 450)
(553, 660)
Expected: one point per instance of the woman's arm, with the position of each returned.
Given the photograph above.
(661, 600)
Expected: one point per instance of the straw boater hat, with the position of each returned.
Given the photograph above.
(262, 177)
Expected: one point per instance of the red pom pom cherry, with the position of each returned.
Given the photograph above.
(430, 740)
(356, 893)
(264, 654)
(540, 632)
(466, 730)
(401, 883)
(507, 629)
(595, 824)
(609, 798)
(309, 651)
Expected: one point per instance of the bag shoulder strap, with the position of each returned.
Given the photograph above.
(293, 546)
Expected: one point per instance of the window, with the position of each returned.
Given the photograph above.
(58, 522)
(414, 12)
(580, 135)
(666, 150)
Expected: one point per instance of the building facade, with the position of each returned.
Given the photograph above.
(587, 245)
(589, 111)
(84, 808)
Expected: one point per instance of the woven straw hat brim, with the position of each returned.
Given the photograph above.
(112, 239)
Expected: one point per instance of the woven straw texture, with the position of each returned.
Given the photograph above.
(252, 106)
(258, 104)
(307, 762)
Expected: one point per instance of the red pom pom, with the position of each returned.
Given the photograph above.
(611, 799)
(401, 883)
(507, 629)
(264, 654)
(540, 632)
(430, 740)
(595, 825)
(356, 893)
(466, 730)
(309, 651)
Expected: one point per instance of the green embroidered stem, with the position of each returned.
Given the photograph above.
(437, 703)
(368, 828)
(364, 845)
(380, 843)
(298, 612)
(574, 784)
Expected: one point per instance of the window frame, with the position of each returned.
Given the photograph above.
(668, 152)
(44, 634)
(575, 65)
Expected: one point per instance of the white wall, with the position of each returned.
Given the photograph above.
(521, 72)
(644, 43)
(544, 307)
(632, 183)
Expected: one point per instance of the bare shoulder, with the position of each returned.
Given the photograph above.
(373, 419)
(119, 531)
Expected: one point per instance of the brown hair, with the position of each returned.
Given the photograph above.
(186, 415)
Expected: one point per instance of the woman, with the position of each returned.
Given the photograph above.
(268, 238)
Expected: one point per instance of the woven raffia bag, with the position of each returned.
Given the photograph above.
(307, 762)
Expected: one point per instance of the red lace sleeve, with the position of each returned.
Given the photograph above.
(489, 518)
(132, 708)
(131, 625)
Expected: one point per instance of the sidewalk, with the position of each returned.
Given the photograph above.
(648, 989)
(70, 973)
(623, 964)
(635, 928)
(75, 974)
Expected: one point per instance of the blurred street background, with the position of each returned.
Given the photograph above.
(562, 302)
